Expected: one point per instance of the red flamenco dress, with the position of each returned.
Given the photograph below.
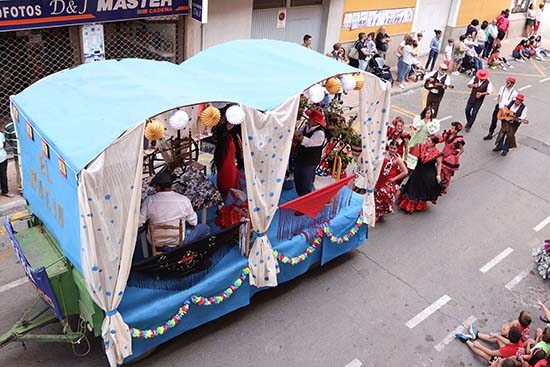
(400, 137)
(422, 185)
(385, 190)
(451, 156)
(229, 176)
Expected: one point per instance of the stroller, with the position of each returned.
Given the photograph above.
(468, 66)
(417, 72)
(377, 66)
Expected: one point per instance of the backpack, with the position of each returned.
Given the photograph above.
(353, 52)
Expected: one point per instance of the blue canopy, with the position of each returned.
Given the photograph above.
(81, 111)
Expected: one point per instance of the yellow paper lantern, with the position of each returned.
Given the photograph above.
(154, 130)
(359, 81)
(210, 116)
(333, 85)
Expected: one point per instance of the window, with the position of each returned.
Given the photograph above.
(520, 6)
(305, 2)
(268, 4)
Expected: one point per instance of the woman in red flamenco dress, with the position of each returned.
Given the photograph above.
(393, 170)
(453, 148)
(424, 184)
(397, 133)
(227, 156)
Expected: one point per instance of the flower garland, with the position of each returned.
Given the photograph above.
(302, 257)
(159, 330)
(347, 237)
(542, 258)
(220, 297)
(199, 300)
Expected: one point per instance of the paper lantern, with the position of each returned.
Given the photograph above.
(359, 81)
(235, 115)
(316, 93)
(333, 85)
(210, 116)
(178, 120)
(154, 130)
(348, 82)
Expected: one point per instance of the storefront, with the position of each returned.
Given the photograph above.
(48, 36)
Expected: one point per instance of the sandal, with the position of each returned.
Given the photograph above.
(544, 319)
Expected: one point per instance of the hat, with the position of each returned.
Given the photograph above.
(520, 96)
(317, 116)
(482, 74)
(443, 66)
(511, 79)
(162, 178)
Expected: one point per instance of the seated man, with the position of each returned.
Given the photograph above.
(168, 207)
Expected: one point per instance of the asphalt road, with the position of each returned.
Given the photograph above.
(371, 307)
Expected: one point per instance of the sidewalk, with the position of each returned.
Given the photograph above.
(17, 203)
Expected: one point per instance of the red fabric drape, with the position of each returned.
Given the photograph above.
(312, 203)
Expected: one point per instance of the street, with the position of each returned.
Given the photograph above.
(398, 299)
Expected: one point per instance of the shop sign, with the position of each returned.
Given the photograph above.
(199, 10)
(28, 14)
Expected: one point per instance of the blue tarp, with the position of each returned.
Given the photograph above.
(81, 111)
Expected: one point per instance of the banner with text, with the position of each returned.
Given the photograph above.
(28, 14)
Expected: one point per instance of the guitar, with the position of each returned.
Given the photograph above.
(432, 83)
(505, 114)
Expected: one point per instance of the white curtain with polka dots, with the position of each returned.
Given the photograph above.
(109, 191)
(267, 139)
(374, 114)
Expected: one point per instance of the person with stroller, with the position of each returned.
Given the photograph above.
(436, 83)
(407, 58)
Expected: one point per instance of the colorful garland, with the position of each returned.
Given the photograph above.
(199, 300)
(302, 257)
(346, 238)
(215, 300)
(159, 330)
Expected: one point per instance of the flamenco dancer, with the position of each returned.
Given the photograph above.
(452, 150)
(393, 171)
(398, 134)
(425, 182)
(423, 126)
(228, 157)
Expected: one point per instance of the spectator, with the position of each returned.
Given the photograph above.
(338, 53)
(435, 46)
(488, 354)
(459, 51)
(539, 50)
(353, 53)
(530, 21)
(492, 31)
(382, 40)
(363, 55)
(496, 61)
(407, 59)
(471, 55)
(4, 168)
(482, 37)
(11, 138)
(371, 45)
(536, 350)
(471, 30)
(538, 18)
(448, 57)
(307, 41)
(521, 52)
(503, 23)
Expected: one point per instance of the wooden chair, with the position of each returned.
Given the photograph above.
(185, 152)
(160, 247)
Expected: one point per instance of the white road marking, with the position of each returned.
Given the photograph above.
(544, 80)
(354, 363)
(496, 260)
(526, 87)
(518, 278)
(446, 118)
(541, 225)
(460, 329)
(13, 284)
(427, 312)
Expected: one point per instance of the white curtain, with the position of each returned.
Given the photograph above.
(267, 139)
(109, 191)
(374, 114)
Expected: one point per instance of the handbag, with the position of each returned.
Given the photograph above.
(353, 52)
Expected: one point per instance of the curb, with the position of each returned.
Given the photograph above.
(13, 206)
(396, 91)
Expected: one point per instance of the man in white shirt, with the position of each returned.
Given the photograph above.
(481, 86)
(493, 34)
(311, 140)
(436, 89)
(506, 94)
(168, 207)
(506, 138)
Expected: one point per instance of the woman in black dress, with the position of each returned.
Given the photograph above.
(425, 182)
